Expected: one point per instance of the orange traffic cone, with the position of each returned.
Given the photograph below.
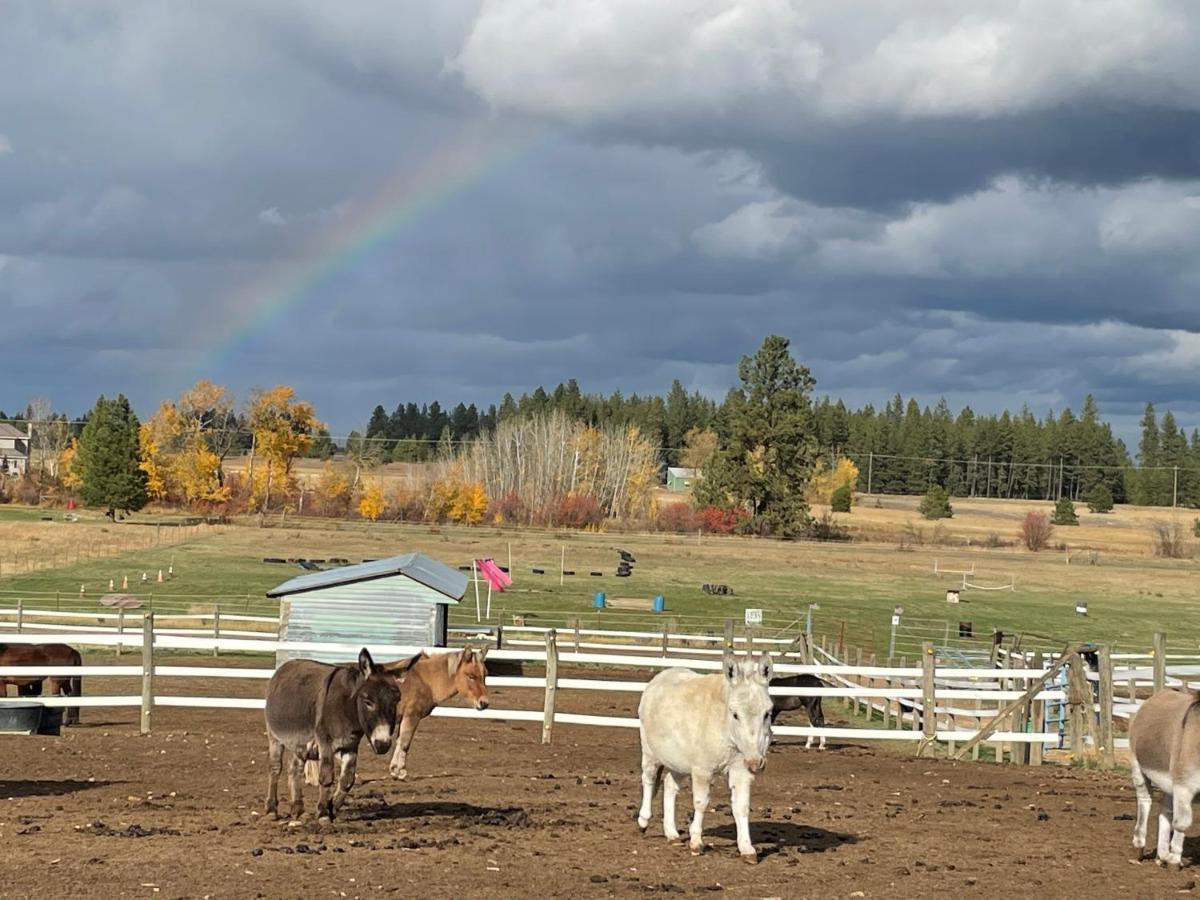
(125, 583)
(160, 576)
(111, 586)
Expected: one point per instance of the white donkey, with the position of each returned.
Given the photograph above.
(702, 725)
(1164, 743)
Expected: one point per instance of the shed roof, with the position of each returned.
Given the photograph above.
(417, 566)
(681, 472)
(8, 431)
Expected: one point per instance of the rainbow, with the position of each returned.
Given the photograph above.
(404, 198)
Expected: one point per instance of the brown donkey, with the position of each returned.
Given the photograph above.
(1164, 745)
(322, 712)
(427, 680)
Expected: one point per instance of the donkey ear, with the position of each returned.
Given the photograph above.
(366, 665)
(482, 654)
(763, 668)
(729, 665)
(467, 655)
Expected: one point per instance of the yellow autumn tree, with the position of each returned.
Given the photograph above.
(151, 462)
(470, 503)
(332, 489)
(825, 481)
(282, 429)
(373, 502)
(66, 466)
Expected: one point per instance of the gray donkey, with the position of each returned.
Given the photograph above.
(1164, 744)
(321, 711)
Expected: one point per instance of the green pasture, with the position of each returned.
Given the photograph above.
(856, 585)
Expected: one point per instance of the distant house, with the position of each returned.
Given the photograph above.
(14, 450)
(681, 479)
(398, 600)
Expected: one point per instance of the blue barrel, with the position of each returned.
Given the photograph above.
(660, 603)
(598, 601)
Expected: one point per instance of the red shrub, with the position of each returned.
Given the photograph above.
(577, 511)
(1036, 530)
(715, 520)
(677, 517)
(510, 508)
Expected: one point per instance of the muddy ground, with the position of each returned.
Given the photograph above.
(488, 811)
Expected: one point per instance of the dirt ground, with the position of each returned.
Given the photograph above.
(489, 811)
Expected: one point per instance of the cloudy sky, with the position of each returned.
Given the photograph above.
(390, 201)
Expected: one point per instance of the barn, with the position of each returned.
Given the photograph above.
(398, 600)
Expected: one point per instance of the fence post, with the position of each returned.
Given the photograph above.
(1106, 707)
(216, 630)
(1037, 719)
(120, 631)
(500, 634)
(147, 669)
(669, 626)
(1020, 724)
(575, 628)
(857, 678)
(928, 697)
(729, 634)
(20, 616)
(1160, 661)
(551, 684)
(1078, 706)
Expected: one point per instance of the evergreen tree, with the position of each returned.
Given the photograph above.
(767, 441)
(1064, 512)
(379, 424)
(107, 460)
(936, 504)
(1100, 498)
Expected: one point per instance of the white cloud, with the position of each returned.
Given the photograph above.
(6, 146)
(272, 216)
(1014, 228)
(787, 64)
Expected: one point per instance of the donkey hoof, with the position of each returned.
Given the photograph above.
(696, 849)
(751, 857)
(643, 824)
(399, 774)
(325, 821)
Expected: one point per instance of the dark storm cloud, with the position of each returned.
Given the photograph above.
(996, 205)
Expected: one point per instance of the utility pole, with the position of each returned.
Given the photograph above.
(1175, 489)
(870, 469)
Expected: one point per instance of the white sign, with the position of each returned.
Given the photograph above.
(895, 620)
(754, 617)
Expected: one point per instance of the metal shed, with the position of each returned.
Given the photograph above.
(398, 600)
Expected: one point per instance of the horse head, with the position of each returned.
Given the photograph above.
(469, 676)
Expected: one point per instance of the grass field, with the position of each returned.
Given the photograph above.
(1129, 593)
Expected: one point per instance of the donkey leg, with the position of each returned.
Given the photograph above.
(740, 780)
(701, 781)
(404, 738)
(1142, 788)
(347, 765)
(325, 809)
(1165, 817)
(274, 767)
(296, 785)
(651, 772)
(1181, 821)
(670, 791)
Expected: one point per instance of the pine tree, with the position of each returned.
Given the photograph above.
(767, 442)
(107, 460)
(936, 504)
(1064, 512)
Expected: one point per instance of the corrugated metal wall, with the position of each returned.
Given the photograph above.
(394, 610)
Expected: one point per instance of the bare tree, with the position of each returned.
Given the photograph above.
(543, 458)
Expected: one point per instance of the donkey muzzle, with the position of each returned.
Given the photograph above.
(481, 704)
(756, 765)
(381, 745)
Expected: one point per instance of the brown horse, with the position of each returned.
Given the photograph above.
(426, 681)
(43, 655)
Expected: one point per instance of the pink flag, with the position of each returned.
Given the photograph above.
(494, 575)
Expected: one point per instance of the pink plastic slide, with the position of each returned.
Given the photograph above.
(495, 577)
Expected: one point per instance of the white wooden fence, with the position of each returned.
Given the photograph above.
(899, 693)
